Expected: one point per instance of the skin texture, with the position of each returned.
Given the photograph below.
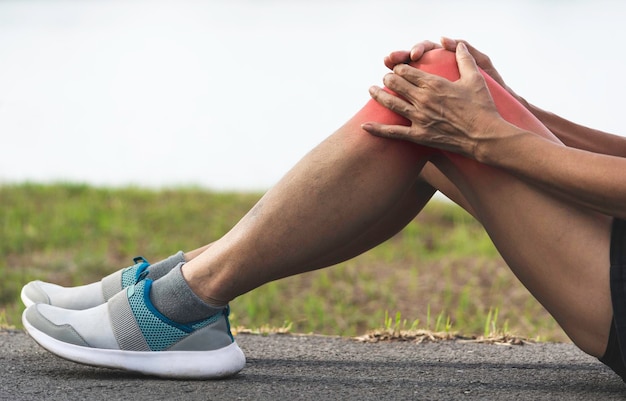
(474, 140)
(461, 117)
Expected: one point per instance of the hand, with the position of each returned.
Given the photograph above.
(405, 56)
(482, 60)
(453, 116)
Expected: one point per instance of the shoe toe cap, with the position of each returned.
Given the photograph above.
(33, 293)
(35, 319)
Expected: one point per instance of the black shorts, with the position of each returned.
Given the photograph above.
(614, 356)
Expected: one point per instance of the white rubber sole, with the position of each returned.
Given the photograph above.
(215, 364)
(25, 300)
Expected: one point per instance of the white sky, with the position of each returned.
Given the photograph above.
(230, 94)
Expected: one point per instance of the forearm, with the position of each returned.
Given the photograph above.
(592, 180)
(580, 137)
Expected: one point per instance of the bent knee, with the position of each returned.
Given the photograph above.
(439, 62)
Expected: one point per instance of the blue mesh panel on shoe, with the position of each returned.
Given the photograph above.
(130, 274)
(159, 331)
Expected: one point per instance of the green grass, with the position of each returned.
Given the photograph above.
(440, 270)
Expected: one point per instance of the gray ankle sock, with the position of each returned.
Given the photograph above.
(172, 297)
(160, 269)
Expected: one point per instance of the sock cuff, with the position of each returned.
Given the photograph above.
(173, 297)
(160, 269)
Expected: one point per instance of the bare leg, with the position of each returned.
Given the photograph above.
(351, 192)
(389, 224)
(335, 202)
(559, 251)
(320, 213)
(189, 255)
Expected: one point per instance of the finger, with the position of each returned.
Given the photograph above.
(403, 56)
(477, 54)
(387, 131)
(473, 51)
(451, 44)
(408, 73)
(465, 61)
(448, 44)
(391, 102)
(419, 49)
(397, 57)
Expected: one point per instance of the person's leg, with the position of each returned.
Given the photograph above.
(345, 177)
(96, 293)
(559, 251)
(189, 255)
(334, 204)
(350, 193)
(352, 182)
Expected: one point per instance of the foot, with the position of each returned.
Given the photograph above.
(129, 333)
(84, 296)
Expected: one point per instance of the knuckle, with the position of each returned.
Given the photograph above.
(407, 109)
(424, 97)
(402, 68)
(388, 131)
(391, 131)
(435, 84)
(390, 79)
(395, 107)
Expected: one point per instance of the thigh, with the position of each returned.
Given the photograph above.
(435, 178)
(558, 250)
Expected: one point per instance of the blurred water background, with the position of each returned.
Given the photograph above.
(228, 95)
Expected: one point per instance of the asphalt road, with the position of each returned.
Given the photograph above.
(326, 368)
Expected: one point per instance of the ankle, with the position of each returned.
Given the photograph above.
(203, 288)
(206, 293)
(172, 296)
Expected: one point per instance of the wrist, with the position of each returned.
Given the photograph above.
(495, 139)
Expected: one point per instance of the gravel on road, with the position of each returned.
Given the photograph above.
(298, 367)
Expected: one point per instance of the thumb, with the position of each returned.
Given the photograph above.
(465, 61)
(448, 44)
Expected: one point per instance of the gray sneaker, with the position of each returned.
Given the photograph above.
(129, 333)
(84, 296)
